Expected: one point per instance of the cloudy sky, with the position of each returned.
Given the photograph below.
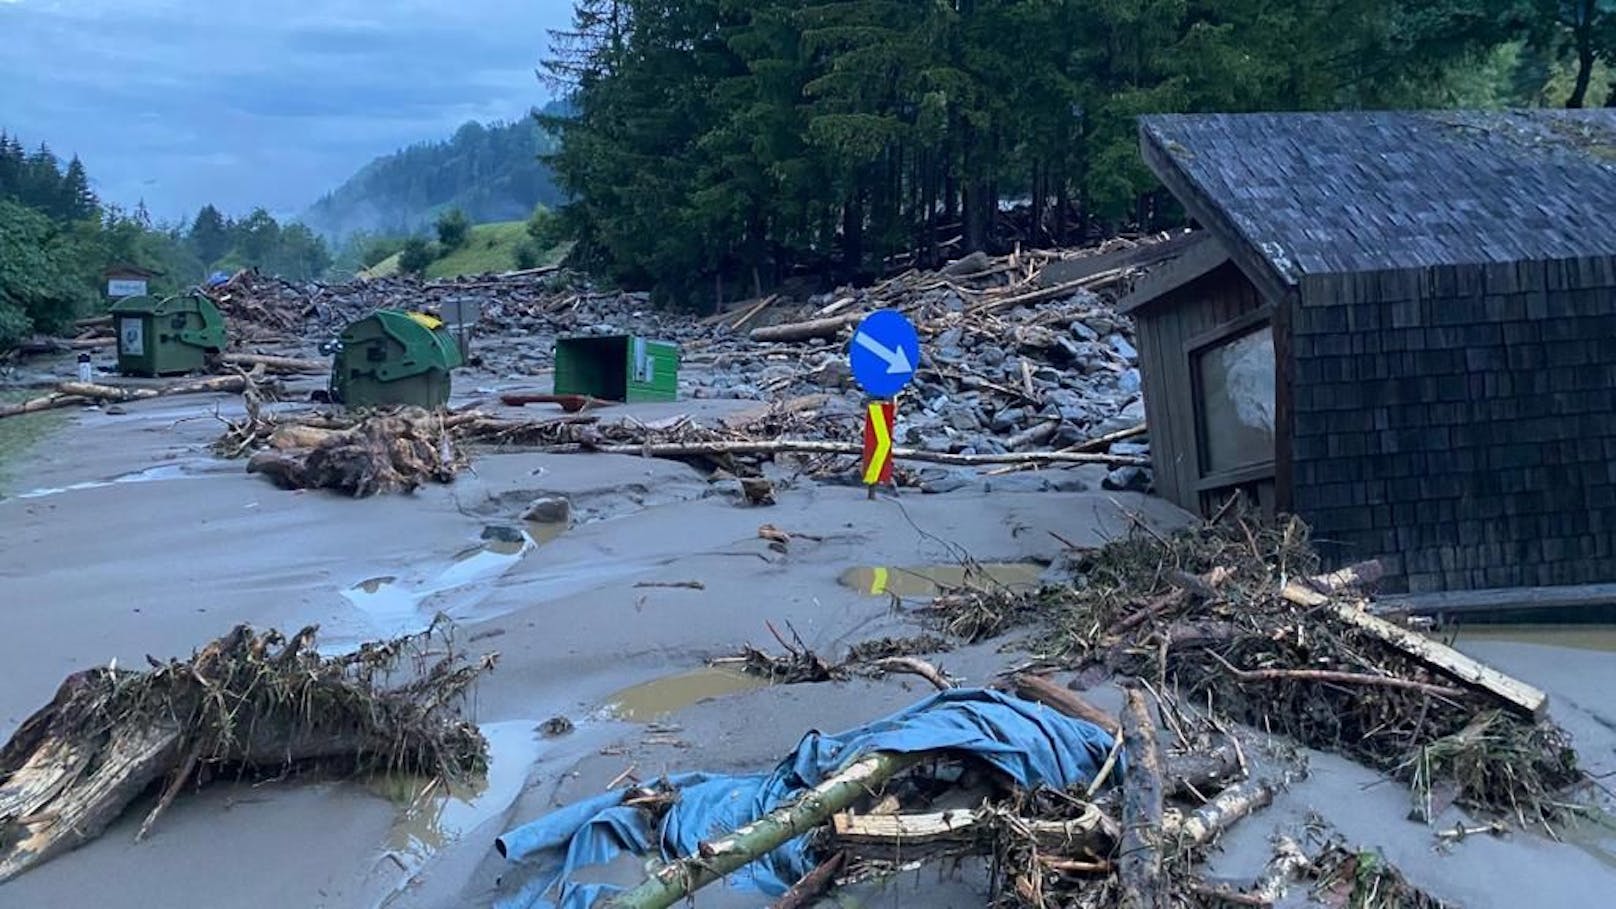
(268, 102)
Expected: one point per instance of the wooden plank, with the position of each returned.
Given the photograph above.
(1518, 694)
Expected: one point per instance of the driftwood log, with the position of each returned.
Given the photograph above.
(1046, 691)
(1139, 864)
(284, 365)
(716, 858)
(806, 331)
(73, 394)
(1227, 808)
(252, 700)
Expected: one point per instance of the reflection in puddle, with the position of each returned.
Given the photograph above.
(434, 816)
(149, 475)
(931, 580)
(1575, 637)
(395, 606)
(659, 697)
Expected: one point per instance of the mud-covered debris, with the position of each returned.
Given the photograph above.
(1208, 610)
(555, 727)
(258, 701)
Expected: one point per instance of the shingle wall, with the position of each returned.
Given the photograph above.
(1460, 422)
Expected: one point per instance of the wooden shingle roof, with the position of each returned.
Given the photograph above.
(1323, 193)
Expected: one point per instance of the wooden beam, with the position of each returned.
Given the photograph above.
(1516, 693)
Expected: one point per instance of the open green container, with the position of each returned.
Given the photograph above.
(617, 368)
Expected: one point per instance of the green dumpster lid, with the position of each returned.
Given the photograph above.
(425, 347)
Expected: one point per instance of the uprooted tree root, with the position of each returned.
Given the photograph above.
(253, 701)
(387, 452)
(1201, 610)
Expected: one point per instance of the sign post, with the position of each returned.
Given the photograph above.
(883, 354)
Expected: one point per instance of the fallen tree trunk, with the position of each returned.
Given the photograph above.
(44, 402)
(288, 365)
(73, 394)
(805, 331)
(809, 446)
(1139, 864)
(254, 700)
(716, 858)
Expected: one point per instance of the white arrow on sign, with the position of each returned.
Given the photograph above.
(897, 360)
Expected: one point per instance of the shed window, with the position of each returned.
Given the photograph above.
(1236, 401)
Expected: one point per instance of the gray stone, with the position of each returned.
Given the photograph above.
(949, 338)
(1016, 482)
(549, 510)
(1128, 479)
(991, 355)
(1082, 330)
(936, 480)
(1068, 434)
(1008, 419)
(952, 302)
(1130, 382)
(964, 418)
(1123, 348)
(1083, 478)
(1047, 375)
(1135, 410)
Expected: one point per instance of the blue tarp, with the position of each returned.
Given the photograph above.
(1032, 744)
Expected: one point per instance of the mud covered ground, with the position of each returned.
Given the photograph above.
(120, 536)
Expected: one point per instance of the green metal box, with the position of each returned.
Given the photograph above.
(617, 368)
(392, 358)
(166, 337)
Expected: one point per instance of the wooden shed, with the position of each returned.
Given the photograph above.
(1399, 326)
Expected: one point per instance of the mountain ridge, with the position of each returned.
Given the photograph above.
(491, 171)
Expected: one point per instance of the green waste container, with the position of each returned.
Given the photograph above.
(391, 358)
(168, 336)
(617, 368)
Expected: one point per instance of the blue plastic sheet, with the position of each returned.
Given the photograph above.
(1030, 743)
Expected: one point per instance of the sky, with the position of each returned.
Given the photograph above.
(179, 103)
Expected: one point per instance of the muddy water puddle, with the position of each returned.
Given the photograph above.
(396, 604)
(932, 580)
(149, 475)
(1573, 637)
(434, 815)
(649, 701)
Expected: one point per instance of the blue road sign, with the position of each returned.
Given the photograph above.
(884, 353)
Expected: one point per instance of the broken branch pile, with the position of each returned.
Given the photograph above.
(255, 701)
(1209, 611)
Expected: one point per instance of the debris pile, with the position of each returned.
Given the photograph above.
(1215, 613)
(1021, 352)
(377, 453)
(258, 702)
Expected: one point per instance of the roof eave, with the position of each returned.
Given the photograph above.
(1257, 267)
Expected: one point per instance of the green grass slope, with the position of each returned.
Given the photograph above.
(490, 248)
